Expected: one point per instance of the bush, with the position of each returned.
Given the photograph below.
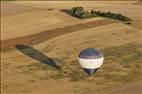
(76, 11)
(79, 12)
(128, 23)
(87, 14)
(108, 14)
(92, 11)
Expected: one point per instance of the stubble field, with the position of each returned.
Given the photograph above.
(34, 61)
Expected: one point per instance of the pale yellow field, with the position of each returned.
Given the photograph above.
(38, 18)
(24, 72)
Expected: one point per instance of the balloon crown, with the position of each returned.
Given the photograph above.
(90, 53)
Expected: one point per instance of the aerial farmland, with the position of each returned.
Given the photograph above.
(41, 42)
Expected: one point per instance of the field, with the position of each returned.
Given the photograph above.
(40, 45)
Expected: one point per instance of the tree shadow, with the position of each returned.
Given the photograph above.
(37, 55)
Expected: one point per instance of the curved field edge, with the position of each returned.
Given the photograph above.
(120, 45)
(45, 35)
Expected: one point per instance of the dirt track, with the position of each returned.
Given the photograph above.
(39, 37)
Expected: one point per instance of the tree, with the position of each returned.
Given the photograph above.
(76, 11)
(87, 14)
(92, 11)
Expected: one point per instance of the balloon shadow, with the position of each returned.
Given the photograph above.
(37, 55)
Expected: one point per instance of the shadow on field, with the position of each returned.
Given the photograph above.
(37, 55)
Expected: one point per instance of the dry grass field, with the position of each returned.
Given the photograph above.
(40, 46)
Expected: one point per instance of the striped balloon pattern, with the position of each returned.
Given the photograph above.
(90, 60)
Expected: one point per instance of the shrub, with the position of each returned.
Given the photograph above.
(92, 11)
(108, 14)
(76, 11)
(128, 23)
(87, 14)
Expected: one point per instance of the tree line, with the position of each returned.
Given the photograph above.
(79, 12)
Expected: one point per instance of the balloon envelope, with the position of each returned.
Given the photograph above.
(90, 60)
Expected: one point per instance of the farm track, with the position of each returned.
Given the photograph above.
(46, 35)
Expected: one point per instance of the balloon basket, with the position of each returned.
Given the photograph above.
(90, 78)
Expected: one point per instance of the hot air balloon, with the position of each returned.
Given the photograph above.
(90, 60)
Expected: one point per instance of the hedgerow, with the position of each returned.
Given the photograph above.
(79, 12)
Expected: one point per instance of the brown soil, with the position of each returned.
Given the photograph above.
(42, 36)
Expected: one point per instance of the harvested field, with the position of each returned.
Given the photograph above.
(43, 36)
(31, 23)
(40, 46)
(124, 7)
(11, 9)
(41, 19)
